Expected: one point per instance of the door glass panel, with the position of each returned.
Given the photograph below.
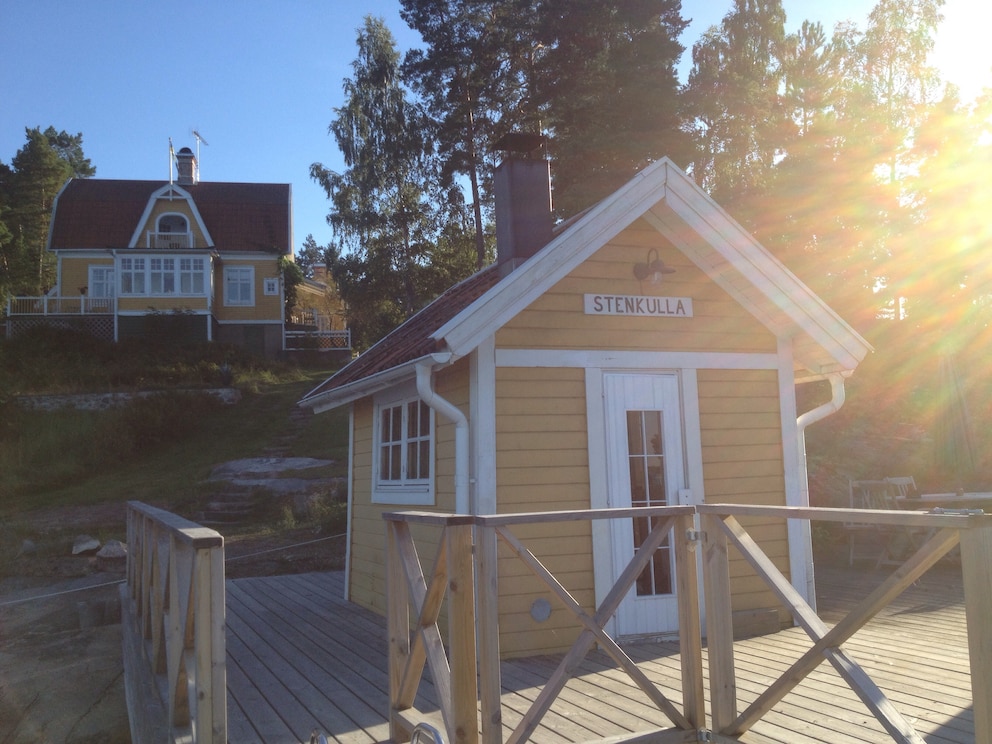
(646, 462)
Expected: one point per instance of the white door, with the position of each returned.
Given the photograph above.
(644, 468)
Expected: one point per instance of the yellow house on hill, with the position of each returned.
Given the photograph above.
(645, 354)
(136, 256)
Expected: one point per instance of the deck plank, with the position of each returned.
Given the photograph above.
(300, 657)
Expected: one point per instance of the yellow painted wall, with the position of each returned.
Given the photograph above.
(557, 320)
(541, 426)
(368, 529)
(542, 464)
(740, 421)
(542, 444)
(266, 307)
(175, 206)
(75, 273)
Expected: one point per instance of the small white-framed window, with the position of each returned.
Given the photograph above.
(191, 276)
(239, 285)
(271, 286)
(132, 276)
(403, 442)
(101, 282)
(162, 276)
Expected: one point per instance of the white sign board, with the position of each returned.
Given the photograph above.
(653, 307)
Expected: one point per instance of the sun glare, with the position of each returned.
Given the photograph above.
(962, 52)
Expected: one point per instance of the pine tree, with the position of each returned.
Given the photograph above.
(389, 210)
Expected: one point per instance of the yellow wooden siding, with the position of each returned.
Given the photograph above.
(75, 273)
(174, 206)
(741, 433)
(542, 464)
(557, 319)
(266, 307)
(368, 529)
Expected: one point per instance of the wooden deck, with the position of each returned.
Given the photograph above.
(301, 658)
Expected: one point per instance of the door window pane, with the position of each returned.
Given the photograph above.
(646, 463)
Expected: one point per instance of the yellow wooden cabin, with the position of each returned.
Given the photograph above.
(645, 353)
(200, 259)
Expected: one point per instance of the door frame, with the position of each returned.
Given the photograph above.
(603, 573)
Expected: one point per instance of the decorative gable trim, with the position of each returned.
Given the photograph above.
(170, 192)
(682, 212)
(554, 261)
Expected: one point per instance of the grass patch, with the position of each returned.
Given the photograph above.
(158, 450)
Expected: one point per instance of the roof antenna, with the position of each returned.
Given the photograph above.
(199, 139)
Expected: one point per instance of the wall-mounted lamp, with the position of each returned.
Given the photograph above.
(652, 269)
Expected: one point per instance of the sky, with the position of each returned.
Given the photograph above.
(260, 83)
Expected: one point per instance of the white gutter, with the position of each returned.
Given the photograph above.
(819, 413)
(452, 413)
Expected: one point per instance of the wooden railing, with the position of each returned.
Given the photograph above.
(174, 629)
(465, 569)
(45, 305)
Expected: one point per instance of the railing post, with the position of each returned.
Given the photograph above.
(976, 570)
(719, 623)
(462, 634)
(397, 626)
(690, 632)
(487, 596)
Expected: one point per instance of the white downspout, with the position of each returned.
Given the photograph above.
(451, 412)
(819, 413)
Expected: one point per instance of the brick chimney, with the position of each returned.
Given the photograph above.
(522, 184)
(189, 172)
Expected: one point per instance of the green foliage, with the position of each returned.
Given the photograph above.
(292, 277)
(605, 84)
(58, 448)
(54, 360)
(389, 210)
(27, 191)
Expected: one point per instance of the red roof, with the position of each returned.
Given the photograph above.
(412, 340)
(101, 213)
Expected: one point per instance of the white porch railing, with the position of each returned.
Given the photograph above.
(169, 240)
(173, 607)
(46, 305)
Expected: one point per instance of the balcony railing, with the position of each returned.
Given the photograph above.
(46, 305)
(170, 240)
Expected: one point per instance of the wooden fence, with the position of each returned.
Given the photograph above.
(173, 625)
(465, 570)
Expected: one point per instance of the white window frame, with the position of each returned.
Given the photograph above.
(162, 276)
(134, 273)
(101, 282)
(162, 223)
(270, 286)
(401, 489)
(245, 283)
(191, 270)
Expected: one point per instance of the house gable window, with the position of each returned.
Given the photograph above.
(239, 285)
(171, 233)
(173, 223)
(403, 441)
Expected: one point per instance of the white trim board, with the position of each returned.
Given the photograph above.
(642, 360)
